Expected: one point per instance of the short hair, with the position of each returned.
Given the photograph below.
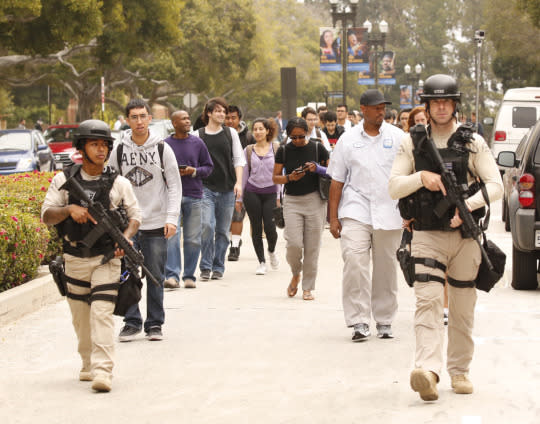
(343, 105)
(388, 115)
(266, 123)
(234, 108)
(296, 122)
(137, 104)
(322, 108)
(308, 109)
(211, 105)
(330, 116)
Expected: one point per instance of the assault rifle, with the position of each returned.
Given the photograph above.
(455, 193)
(107, 224)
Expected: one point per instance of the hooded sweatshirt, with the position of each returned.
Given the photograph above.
(159, 200)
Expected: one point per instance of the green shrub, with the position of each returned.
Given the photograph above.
(25, 241)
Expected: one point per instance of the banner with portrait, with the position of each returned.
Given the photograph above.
(357, 50)
(405, 97)
(386, 69)
(330, 49)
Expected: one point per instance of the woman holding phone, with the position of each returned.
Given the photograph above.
(303, 209)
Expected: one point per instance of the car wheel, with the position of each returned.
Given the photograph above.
(524, 270)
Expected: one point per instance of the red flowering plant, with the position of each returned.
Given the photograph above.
(25, 241)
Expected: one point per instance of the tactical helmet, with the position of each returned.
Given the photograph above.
(440, 86)
(92, 129)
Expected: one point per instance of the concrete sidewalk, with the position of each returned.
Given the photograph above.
(239, 351)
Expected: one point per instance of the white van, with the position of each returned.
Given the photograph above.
(520, 109)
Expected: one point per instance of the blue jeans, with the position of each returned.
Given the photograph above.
(190, 217)
(217, 210)
(153, 246)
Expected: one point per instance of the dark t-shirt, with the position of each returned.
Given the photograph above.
(298, 156)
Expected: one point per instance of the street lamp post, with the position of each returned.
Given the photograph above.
(412, 79)
(344, 11)
(375, 40)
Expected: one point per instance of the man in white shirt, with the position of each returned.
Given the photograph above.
(312, 119)
(366, 219)
(342, 113)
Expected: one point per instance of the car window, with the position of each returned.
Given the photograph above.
(523, 117)
(59, 134)
(18, 141)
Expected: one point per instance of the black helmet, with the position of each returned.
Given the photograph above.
(440, 86)
(92, 129)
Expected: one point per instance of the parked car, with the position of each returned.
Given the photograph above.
(162, 127)
(24, 151)
(519, 110)
(60, 139)
(522, 198)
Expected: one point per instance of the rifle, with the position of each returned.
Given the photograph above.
(455, 193)
(107, 224)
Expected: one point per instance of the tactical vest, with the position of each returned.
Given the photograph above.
(430, 209)
(73, 233)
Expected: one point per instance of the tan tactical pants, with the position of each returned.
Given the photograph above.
(462, 258)
(94, 324)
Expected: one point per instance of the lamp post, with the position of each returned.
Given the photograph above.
(344, 11)
(412, 79)
(479, 37)
(376, 40)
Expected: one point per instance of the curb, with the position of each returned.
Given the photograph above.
(27, 298)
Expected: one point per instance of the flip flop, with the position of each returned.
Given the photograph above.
(307, 296)
(291, 291)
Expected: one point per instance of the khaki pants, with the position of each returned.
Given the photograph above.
(94, 324)
(304, 223)
(462, 258)
(364, 294)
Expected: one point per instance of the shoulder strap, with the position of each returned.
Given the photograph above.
(202, 132)
(161, 147)
(275, 146)
(119, 152)
(229, 137)
(249, 152)
(318, 133)
(317, 152)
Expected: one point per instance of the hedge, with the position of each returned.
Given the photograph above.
(25, 241)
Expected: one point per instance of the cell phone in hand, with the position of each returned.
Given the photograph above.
(182, 166)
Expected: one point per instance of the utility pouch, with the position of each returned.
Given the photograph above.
(56, 267)
(129, 292)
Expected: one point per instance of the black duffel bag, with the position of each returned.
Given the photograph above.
(129, 292)
(487, 278)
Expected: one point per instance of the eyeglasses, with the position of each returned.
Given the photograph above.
(297, 137)
(137, 117)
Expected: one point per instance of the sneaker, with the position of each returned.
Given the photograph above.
(425, 383)
(154, 334)
(361, 332)
(189, 283)
(216, 275)
(171, 283)
(274, 261)
(128, 333)
(461, 384)
(261, 269)
(102, 383)
(384, 331)
(234, 252)
(205, 275)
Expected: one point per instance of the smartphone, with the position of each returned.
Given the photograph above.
(182, 166)
(299, 169)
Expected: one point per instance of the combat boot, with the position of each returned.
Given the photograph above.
(425, 383)
(461, 384)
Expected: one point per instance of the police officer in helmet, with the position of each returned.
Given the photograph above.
(439, 249)
(92, 286)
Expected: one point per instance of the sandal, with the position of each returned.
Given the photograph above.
(307, 295)
(292, 290)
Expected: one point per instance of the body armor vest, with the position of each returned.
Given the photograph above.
(72, 232)
(430, 209)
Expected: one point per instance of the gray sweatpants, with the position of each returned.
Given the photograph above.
(304, 223)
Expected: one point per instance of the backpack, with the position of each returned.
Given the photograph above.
(161, 146)
(249, 151)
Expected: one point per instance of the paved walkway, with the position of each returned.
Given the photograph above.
(240, 351)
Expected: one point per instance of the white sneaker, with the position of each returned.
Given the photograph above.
(274, 261)
(261, 269)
